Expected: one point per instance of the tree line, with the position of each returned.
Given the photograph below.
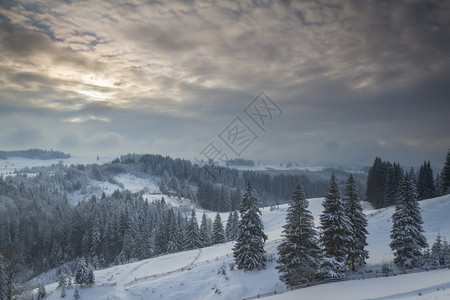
(384, 179)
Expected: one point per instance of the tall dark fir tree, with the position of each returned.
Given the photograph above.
(336, 235)
(425, 184)
(298, 259)
(249, 250)
(3, 280)
(356, 254)
(218, 233)
(445, 175)
(407, 236)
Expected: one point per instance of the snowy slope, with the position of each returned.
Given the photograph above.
(425, 285)
(12, 164)
(208, 273)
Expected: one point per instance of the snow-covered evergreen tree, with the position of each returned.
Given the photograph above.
(248, 250)
(3, 279)
(445, 175)
(76, 294)
(298, 254)
(81, 272)
(218, 233)
(232, 226)
(437, 252)
(336, 232)
(356, 253)
(407, 232)
(62, 281)
(205, 232)
(192, 239)
(426, 188)
(63, 292)
(228, 226)
(41, 291)
(90, 280)
(446, 252)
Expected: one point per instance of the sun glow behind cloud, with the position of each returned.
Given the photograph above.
(176, 70)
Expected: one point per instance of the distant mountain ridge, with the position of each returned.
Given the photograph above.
(34, 154)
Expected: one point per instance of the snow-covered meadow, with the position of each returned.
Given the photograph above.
(209, 273)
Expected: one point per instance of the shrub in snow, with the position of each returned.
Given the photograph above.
(331, 268)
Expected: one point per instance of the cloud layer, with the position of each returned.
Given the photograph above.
(355, 79)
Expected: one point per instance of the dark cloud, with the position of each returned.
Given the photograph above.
(355, 79)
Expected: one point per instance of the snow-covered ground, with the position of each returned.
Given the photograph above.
(208, 273)
(13, 164)
(425, 285)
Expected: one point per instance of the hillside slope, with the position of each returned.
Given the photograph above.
(209, 273)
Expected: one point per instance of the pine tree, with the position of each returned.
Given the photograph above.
(376, 180)
(446, 252)
(69, 283)
(218, 233)
(205, 232)
(248, 250)
(235, 229)
(161, 239)
(76, 294)
(81, 272)
(412, 175)
(336, 235)
(90, 280)
(425, 183)
(437, 252)
(358, 222)
(192, 239)
(407, 232)
(445, 175)
(228, 226)
(63, 292)
(41, 291)
(438, 185)
(62, 281)
(3, 279)
(299, 252)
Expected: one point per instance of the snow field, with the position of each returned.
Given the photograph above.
(208, 273)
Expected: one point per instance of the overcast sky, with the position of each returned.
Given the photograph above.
(348, 80)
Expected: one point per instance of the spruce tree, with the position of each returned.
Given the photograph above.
(228, 226)
(248, 250)
(358, 222)
(192, 239)
(76, 294)
(218, 233)
(232, 226)
(3, 279)
(205, 233)
(407, 232)
(63, 292)
(437, 252)
(445, 175)
(41, 292)
(376, 181)
(90, 279)
(298, 254)
(336, 233)
(438, 185)
(62, 281)
(425, 184)
(81, 272)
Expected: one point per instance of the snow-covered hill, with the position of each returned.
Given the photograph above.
(209, 273)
